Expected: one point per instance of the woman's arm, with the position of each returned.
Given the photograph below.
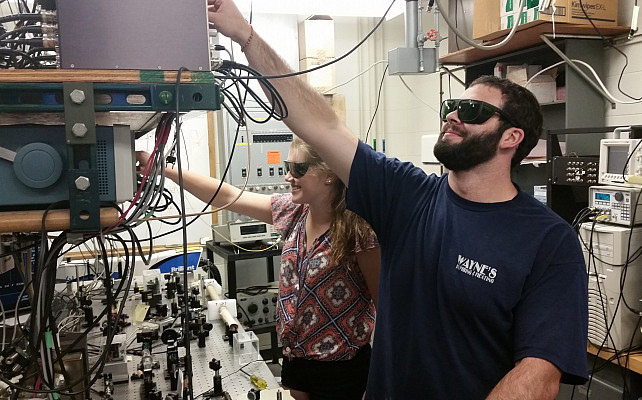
(370, 263)
(258, 206)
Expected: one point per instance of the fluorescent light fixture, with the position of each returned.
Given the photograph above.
(334, 8)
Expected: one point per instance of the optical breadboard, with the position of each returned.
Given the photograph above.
(141, 34)
(617, 204)
(606, 250)
(34, 171)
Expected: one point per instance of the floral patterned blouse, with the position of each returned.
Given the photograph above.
(324, 311)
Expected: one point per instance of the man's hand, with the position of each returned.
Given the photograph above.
(226, 18)
(142, 158)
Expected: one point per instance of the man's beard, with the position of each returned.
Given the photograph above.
(472, 151)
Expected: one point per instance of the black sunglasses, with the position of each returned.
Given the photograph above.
(473, 111)
(296, 169)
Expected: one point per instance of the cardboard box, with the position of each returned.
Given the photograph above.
(322, 79)
(316, 47)
(530, 15)
(338, 104)
(600, 12)
(485, 17)
(543, 87)
(510, 6)
(500, 70)
(521, 73)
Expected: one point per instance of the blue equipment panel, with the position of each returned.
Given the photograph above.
(38, 174)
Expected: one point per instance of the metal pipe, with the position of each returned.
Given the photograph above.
(576, 68)
(450, 73)
(420, 37)
(438, 39)
(411, 21)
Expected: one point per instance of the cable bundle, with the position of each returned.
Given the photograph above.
(238, 75)
(28, 38)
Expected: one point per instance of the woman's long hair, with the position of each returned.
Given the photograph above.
(345, 226)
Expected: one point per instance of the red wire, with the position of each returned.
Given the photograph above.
(162, 134)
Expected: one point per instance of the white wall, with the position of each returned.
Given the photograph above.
(631, 83)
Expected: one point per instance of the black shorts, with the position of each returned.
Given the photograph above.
(331, 380)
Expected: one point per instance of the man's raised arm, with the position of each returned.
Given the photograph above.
(309, 116)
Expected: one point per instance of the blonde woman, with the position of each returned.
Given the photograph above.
(328, 278)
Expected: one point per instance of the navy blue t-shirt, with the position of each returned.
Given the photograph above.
(466, 289)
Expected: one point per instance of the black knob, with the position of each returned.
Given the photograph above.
(274, 299)
(265, 301)
(619, 196)
(266, 310)
(252, 308)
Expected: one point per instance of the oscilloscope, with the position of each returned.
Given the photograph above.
(620, 162)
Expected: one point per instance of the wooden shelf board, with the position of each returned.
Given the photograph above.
(102, 76)
(527, 36)
(553, 103)
(56, 220)
(137, 120)
(634, 361)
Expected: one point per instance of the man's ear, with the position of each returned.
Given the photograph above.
(512, 137)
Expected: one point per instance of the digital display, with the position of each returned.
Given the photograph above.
(618, 156)
(602, 196)
(253, 229)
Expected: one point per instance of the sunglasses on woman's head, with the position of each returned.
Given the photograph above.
(472, 111)
(296, 169)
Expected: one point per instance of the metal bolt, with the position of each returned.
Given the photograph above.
(82, 183)
(79, 129)
(77, 96)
